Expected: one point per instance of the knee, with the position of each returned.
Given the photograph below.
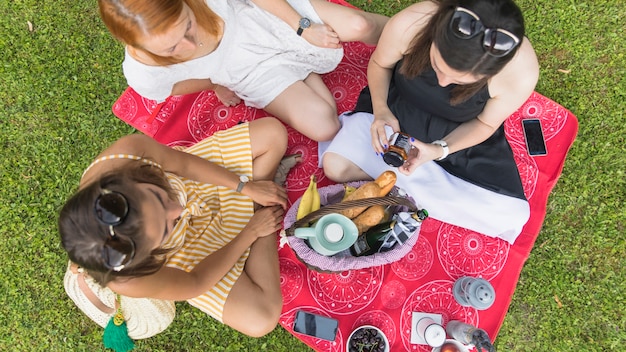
(271, 131)
(327, 133)
(264, 320)
(336, 167)
(326, 123)
(366, 27)
(362, 25)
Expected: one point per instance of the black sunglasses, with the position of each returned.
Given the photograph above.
(111, 209)
(497, 42)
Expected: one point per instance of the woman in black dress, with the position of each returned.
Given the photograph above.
(448, 74)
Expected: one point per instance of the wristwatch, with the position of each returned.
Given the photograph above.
(243, 179)
(304, 24)
(443, 145)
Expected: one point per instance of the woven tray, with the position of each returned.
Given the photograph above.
(344, 260)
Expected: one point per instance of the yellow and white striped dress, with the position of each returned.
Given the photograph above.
(212, 215)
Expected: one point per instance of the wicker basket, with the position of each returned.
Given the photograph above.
(344, 260)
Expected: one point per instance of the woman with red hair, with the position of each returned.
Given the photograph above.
(241, 51)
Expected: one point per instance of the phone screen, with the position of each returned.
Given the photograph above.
(315, 325)
(535, 142)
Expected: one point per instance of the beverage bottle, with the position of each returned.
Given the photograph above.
(469, 334)
(371, 240)
(384, 236)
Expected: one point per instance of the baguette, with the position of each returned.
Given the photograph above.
(386, 181)
(370, 217)
(367, 190)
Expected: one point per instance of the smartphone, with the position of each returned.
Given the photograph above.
(535, 143)
(316, 325)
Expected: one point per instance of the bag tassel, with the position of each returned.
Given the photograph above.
(115, 334)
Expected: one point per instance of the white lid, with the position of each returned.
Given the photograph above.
(333, 233)
(435, 335)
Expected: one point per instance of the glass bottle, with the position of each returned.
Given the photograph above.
(469, 334)
(384, 236)
(371, 240)
(398, 150)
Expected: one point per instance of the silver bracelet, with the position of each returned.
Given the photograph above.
(443, 145)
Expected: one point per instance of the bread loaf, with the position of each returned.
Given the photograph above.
(386, 181)
(374, 215)
(367, 190)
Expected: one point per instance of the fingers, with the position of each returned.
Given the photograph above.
(322, 35)
(271, 220)
(379, 137)
(268, 193)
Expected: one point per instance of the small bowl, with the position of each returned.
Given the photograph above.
(379, 333)
(461, 347)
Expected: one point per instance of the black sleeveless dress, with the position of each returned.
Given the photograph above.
(423, 110)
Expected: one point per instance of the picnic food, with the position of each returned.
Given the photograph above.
(365, 217)
(399, 148)
(449, 347)
(367, 339)
(386, 181)
(367, 190)
(370, 217)
(310, 201)
(348, 190)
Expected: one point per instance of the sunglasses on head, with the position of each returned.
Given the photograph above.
(111, 209)
(497, 42)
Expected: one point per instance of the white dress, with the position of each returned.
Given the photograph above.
(258, 57)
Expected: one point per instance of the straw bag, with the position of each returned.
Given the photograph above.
(145, 317)
(345, 261)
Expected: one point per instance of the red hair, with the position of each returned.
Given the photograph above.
(129, 20)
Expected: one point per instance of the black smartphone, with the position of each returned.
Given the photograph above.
(535, 143)
(316, 325)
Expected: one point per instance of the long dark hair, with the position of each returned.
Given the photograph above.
(465, 55)
(83, 237)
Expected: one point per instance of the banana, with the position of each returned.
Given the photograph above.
(348, 191)
(307, 200)
(315, 202)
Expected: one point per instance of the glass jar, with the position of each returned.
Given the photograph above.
(398, 151)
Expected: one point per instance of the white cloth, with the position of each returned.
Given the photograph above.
(258, 57)
(446, 198)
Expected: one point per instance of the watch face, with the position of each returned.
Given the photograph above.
(305, 22)
(244, 178)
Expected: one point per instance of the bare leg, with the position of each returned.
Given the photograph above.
(268, 139)
(254, 304)
(308, 107)
(340, 169)
(350, 24)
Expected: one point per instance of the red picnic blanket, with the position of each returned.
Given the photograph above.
(422, 281)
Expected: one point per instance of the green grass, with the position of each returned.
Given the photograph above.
(58, 84)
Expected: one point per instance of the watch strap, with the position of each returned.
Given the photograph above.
(242, 182)
(443, 145)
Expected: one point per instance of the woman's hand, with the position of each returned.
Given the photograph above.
(266, 221)
(266, 193)
(420, 153)
(322, 35)
(379, 136)
(226, 96)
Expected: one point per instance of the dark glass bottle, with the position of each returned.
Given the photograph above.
(371, 240)
(384, 236)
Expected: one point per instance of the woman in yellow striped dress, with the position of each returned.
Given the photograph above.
(197, 224)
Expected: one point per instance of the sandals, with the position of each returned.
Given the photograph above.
(286, 164)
